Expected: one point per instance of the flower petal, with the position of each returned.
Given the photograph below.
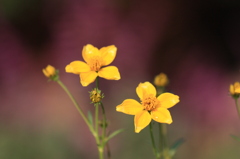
(49, 71)
(145, 88)
(129, 106)
(237, 90)
(108, 54)
(231, 89)
(109, 73)
(141, 120)
(77, 67)
(168, 100)
(87, 77)
(88, 52)
(161, 115)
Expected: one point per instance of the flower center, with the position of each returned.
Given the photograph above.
(150, 102)
(95, 64)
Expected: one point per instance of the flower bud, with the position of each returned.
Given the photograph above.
(234, 89)
(50, 72)
(96, 96)
(161, 80)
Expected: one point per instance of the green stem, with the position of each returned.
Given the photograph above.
(102, 142)
(96, 118)
(96, 113)
(160, 90)
(98, 138)
(108, 151)
(153, 141)
(100, 151)
(161, 143)
(237, 106)
(76, 105)
(163, 139)
(97, 82)
(94, 133)
(104, 131)
(104, 121)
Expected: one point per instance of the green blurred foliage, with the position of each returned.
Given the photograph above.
(34, 145)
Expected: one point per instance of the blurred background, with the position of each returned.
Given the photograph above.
(196, 43)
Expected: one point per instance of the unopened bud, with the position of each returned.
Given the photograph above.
(234, 89)
(161, 80)
(96, 96)
(50, 72)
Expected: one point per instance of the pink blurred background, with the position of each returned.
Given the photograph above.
(194, 43)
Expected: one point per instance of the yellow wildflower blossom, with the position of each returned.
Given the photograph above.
(151, 107)
(234, 89)
(161, 80)
(95, 60)
(49, 71)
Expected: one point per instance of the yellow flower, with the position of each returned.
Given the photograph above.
(151, 107)
(95, 60)
(161, 80)
(234, 89)
(49, 71)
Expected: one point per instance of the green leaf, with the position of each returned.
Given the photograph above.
(175, 146)
(235, 137)
(90, 118)
(113, 134)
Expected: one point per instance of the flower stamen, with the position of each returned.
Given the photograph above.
(96, 64)
(150, 102)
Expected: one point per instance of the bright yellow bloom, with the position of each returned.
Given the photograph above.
(234, 89)
(49, 71)
(151, 107)
(95, 60)
(161, 80)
